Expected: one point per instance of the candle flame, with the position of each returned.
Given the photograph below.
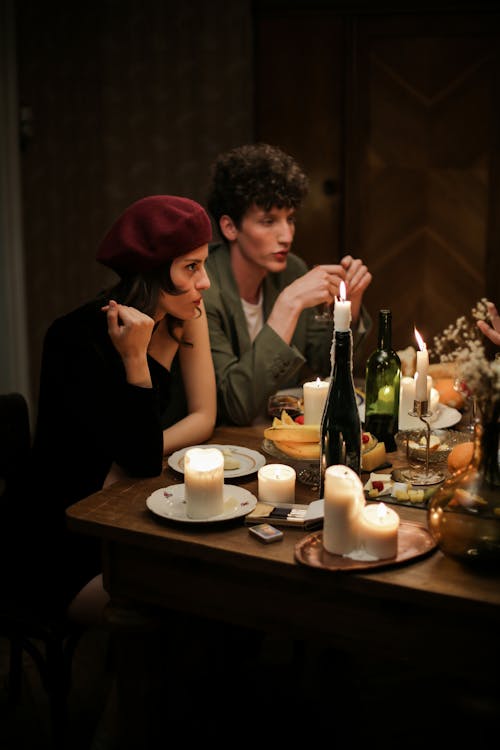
(342, 292)
(421, 343)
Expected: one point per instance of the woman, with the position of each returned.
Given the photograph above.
(126, 378)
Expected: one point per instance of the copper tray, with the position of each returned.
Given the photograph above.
(414, 541)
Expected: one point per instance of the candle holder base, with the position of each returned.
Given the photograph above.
(422, 477)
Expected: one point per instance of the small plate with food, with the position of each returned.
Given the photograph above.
(238, 461)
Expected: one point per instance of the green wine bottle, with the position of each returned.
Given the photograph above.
(383, 375)
(340, 426)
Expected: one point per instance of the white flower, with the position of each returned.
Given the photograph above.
(463, 343)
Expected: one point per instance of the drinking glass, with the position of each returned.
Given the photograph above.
(281, 401)
(325, 313)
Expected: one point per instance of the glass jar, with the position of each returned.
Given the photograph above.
(464, 514)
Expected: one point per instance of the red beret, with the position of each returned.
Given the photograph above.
(153, 231)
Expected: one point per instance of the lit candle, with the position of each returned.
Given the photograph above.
(342, 310)
(276, 483)
(315, 394)
(344, 498)
(421, 371)
(378, 530)
(204, 482)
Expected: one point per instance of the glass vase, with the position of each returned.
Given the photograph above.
(464, 514)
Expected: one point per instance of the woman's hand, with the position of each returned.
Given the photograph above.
(130, 331)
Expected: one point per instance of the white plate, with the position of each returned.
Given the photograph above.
(169, 502)
(446, 417)
(250, 461)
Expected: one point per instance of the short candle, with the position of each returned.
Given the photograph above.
(204, 482)
(276, 483)
(378, 530)
(315, 394)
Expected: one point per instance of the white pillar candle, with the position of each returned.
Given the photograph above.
(343, 501)
(422, 370)
(276, 483)
(378, 531)
(204, 482)
(342, 310)
(406, 400)
(433, 400)
(315, 394)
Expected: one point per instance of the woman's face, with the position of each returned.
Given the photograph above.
(189, 276)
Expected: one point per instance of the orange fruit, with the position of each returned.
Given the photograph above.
(447, 394)
(460, 455)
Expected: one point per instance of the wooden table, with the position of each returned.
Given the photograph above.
(429, 610)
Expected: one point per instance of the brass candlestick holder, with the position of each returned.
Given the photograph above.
(414, 474)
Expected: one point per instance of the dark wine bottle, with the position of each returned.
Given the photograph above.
(383, 375)
(340, 426)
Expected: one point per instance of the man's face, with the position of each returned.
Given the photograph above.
(265, 237)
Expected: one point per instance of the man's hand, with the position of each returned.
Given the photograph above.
(357, 280)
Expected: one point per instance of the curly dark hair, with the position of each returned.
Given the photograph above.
(255, 173)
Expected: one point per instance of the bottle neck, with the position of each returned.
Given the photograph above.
(385, 330)
(342, 351)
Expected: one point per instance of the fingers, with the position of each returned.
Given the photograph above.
(358, 278)
(493, 315)
(111, 311)
(493, 333)
(327, 279)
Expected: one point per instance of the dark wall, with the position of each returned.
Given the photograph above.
(119, 100)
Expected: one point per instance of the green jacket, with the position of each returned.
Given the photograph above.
(248, 373)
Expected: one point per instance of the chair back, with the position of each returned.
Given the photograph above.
(15, 445)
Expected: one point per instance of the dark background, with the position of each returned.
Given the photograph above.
(393, 112)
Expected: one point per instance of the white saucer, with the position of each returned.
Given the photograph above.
(249, 461)
(445, 417)
(169, 502)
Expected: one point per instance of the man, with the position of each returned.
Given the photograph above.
(262, 306)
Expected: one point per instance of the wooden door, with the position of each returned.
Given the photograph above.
(401, 113)
(421, 174)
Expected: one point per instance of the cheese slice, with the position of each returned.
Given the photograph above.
(374, 458)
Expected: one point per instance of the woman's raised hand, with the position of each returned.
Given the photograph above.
(130, 331)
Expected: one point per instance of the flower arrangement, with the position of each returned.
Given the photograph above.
(463, 344)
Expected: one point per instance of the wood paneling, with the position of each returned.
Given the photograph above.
(422, 181)
(412, 100)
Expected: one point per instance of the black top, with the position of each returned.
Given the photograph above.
(88, 418)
